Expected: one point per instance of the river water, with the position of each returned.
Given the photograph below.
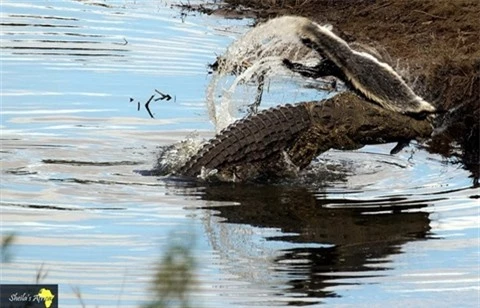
(363, 228)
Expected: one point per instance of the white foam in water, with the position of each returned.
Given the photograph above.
(173, 157)
(260, 51)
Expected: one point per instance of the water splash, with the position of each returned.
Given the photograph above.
(254, 60)
(171, 158)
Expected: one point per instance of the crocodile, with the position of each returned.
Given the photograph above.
(285, 139)
(379, 108)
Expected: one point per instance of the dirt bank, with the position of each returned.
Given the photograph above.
(437, 40)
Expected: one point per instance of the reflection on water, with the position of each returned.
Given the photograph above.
(359, 228)
(342, 231)
(351, 241)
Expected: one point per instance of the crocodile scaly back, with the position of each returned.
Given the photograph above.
(251, 139)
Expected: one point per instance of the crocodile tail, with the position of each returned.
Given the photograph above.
(251, 139)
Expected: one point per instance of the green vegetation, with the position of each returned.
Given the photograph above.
(175, 275)
(7, 241)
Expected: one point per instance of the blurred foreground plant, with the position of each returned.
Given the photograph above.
(174, 278)
(7, 241)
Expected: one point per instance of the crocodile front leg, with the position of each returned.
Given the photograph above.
(311, 142)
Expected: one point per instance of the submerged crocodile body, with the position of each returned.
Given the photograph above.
(285, 139)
